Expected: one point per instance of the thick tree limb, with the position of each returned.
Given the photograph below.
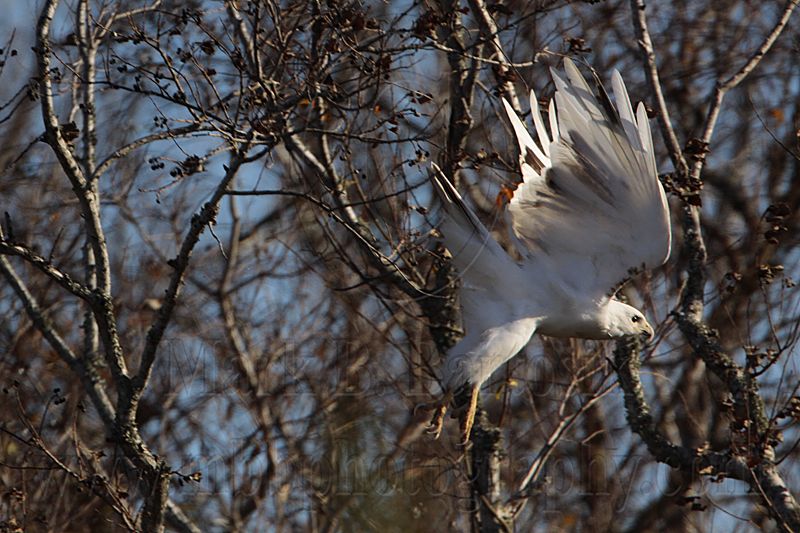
(749, 410)
(93, 383)
(483, 458)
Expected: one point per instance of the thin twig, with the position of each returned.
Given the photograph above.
(490, 34)
(364, 236)
(724, 86)
(651, 69)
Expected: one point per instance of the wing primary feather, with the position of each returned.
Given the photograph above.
(605, 101)
(524, 139)
(646, 139)
(581, 91)
(541, 132)
(551, 115)
(642, 123)
(561, 84)
(625, 109)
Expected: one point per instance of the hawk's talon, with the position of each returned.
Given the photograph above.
(440, 409)
(437, 421)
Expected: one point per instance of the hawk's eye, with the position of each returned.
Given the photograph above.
(635, 319)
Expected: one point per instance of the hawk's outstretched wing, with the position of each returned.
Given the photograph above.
(590, 201)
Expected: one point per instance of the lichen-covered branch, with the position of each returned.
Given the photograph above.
(763, 478)
(179, 264)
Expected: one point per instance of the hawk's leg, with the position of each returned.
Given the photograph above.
(465, 400)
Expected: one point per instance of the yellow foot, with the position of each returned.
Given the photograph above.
(437, 421)
(440, 409)
(469, 417)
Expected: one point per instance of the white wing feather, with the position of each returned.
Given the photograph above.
(491, 292)
(594, 208)
(480, 260)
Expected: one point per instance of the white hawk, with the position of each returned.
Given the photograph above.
(589, 212)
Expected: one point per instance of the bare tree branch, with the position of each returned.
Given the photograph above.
(734, 80)
(94, 384)
(268, 372)
(703, 462)
(364, 236)
(87, 197)
(46, 267)
(490, 33)
(200, 221)
(651, 69)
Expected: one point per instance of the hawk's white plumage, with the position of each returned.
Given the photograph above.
(590, 211)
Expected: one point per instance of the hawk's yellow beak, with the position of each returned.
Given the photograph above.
(647, 331)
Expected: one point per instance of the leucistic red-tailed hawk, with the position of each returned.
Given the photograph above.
(589, 212)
